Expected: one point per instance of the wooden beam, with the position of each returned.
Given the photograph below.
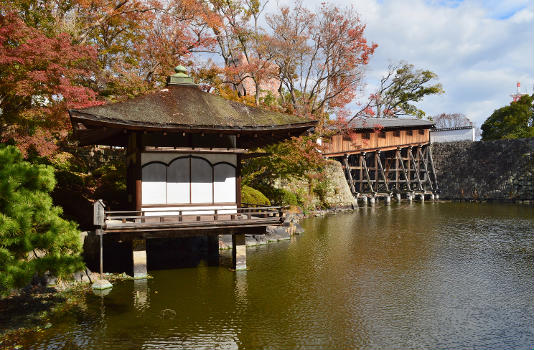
(408, 180)
(367, 173)
(361, 172)
(150, 149)
(348, 172)
(372, 149)
(409, 164)
(425, 160)
(415, 168)
(397, 178)
(382, 171)
(376, 170)
(432, 167)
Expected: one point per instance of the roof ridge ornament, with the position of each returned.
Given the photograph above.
(180, 77)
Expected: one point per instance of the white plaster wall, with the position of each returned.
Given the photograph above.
(201, 181)
(178, 181)
(173, 187)
(452, 135)
(224, 183)
(154, 189)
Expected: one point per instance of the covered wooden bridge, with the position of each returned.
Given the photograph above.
(184, 151)
(385, 157)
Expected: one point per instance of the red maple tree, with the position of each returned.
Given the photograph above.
(40, 78)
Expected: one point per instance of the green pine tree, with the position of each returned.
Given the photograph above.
(34, 238)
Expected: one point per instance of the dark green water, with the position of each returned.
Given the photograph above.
(425, 276)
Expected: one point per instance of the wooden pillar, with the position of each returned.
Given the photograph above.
(387, 166)
(364, 162)
(424, 158)
(433, 169)
(130, 172)
(409, 166)
(404, 172)
(386, 185)
(139, 172)
(397, 156)
(134, 170)
(415, 168)
(348, 172)
(239, 252)
(238, 181)
(139, 258)
(376, 171)
(361, 172)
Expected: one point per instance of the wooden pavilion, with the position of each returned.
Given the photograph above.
(184, 151)
(382, 157)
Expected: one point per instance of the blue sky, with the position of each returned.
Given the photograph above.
(478, 48)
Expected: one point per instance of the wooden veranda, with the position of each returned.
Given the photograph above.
(172, 222)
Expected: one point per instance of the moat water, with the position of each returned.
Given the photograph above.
(408, 276)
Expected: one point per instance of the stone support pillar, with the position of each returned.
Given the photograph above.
(398, 197)
(239, 252)
(139, 258)
(388, 200)
(372, 200)
(422, 197)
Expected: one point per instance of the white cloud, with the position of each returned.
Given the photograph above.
(478, 48)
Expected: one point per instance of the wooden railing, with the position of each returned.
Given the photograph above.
(190, 217)
(251, 205)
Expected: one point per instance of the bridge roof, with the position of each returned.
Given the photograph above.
(389, 123)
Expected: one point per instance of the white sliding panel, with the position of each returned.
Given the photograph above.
(154, 185)
(201, 181)
(224, 183)
(178, 181)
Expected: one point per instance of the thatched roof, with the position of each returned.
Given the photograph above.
(186, 106)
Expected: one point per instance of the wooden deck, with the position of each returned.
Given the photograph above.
(187, 219)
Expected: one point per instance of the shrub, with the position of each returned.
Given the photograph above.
(281, 196)
(34, 239)
(250, 195)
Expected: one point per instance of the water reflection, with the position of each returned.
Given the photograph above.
(413, 275)
(241, 287)
(141, 294)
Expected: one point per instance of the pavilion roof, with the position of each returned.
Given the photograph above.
(187, 107)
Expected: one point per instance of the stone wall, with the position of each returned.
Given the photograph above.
(485, 170)
(336, 194)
